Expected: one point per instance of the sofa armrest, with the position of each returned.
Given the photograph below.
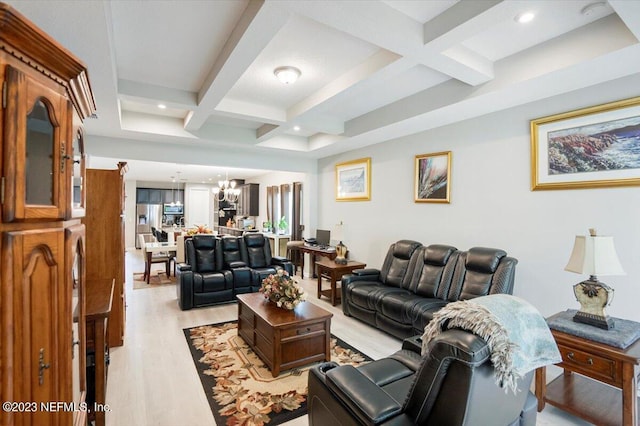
(184, 287)
(183, 267)
(237, 264)
(366, 271)
(369, 402)
(413, 344)
(283, 262)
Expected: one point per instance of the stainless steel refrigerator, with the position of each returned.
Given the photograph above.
(147, 216)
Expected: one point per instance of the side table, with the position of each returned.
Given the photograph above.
(586, 394)
(334, 271)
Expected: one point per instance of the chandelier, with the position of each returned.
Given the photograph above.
(226, 191)
(174, 202)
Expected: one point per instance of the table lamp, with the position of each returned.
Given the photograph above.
(594, 255)
(341, 249)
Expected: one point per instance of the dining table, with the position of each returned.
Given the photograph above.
(155, 247)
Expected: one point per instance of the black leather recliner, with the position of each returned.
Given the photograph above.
(202, 280)
(259, 259)
(232, 249)
(453, 385)
(217, 269)
(415, 281)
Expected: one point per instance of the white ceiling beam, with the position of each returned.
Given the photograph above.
(152, 94)
(259, 23)
(402, 35)
(628, 11)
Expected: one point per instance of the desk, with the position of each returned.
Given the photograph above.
(151, 248)
(313, 252)
(334, 271)
(99, 300)
(582, 388)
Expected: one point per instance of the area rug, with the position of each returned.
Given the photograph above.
(239, 387)
(158, 278)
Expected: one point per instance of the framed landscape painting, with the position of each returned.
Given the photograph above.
(433, 177)
(588, 148)
(353, 180)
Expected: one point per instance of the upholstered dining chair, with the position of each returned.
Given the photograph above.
(159, 257)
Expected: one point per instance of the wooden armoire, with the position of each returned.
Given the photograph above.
(105, 237)
(45, 97)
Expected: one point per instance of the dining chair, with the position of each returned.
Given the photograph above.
(157, 257)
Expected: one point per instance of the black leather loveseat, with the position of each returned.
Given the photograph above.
(453, 385)
(415, 281)
(217, 269)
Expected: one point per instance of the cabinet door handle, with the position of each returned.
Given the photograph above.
(41, 367)
(571, 356)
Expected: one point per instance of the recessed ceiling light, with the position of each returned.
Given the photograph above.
(162, 106)
(287, 75)
(296, 128)
(525, 17)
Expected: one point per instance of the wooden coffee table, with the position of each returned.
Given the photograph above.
(334, 271)
(284, 339)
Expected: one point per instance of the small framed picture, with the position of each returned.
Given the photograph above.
(433, 177)
(588, 148)
(353, 180)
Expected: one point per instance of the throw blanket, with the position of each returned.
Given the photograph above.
(516, 333)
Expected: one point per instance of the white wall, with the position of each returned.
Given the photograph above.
(492, 204)
(308, 194)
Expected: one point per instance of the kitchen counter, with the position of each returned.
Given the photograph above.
(225, 230)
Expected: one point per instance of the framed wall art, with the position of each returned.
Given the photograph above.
(353, 180)
(588, 148)
(433, 177)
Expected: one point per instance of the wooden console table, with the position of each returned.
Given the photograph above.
(99, 300)
(586, 394)
(313, 252)
(334, 271)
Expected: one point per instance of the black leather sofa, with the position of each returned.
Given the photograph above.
(415, 281)
(217, 269)
(453, 385)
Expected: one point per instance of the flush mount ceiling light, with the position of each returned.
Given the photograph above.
(162, 106)
(287, 75)
(523, 18)
(592, 8)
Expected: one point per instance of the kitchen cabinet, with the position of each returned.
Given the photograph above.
(105, 240)
(173, 195)
(45, 97)
(249, 200)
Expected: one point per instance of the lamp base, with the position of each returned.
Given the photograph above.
(593, 296)
(606, 323)
(341, 254)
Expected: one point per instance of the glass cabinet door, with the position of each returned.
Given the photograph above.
(77, 167)
(35, 142)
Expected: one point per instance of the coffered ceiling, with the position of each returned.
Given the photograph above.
(370, 70)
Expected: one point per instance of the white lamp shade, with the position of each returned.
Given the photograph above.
(337, 234)
(594, 255)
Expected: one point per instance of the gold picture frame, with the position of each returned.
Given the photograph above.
(432, 182)
(592, 147)
(353, 180)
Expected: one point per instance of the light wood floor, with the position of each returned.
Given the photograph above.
(153, 381)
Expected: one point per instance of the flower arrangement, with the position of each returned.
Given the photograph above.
(199, 229)
(283, 290)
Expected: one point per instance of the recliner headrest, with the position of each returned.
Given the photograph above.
(438, 254)
(483, 259)
(254, 240)
(230, 243)
(204, 241)
(403, 249)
